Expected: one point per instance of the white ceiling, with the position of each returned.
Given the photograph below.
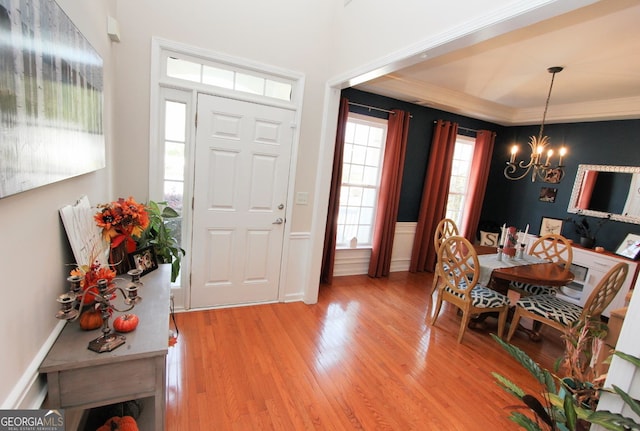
(505, 79)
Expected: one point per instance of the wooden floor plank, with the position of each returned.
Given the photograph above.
(363, 358)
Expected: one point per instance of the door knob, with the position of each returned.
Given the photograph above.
(279, 220)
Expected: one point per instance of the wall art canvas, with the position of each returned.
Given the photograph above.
(51, 98)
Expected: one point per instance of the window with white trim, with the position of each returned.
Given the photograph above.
(460, 174)
(361, 170)
(229, 77)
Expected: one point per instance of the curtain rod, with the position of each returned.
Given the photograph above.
(369, 107)
(464, 128)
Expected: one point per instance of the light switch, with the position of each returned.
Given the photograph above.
(302, 198)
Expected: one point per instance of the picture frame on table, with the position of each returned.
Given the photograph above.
(630, 246)
(144, 259)
(550, 225)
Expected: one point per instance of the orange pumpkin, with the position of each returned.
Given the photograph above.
(124, 423)
(90, 320)
(126, 322)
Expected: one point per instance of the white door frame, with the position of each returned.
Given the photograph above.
(160, 49)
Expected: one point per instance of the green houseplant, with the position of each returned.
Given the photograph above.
(162, 234)
(568, 403)
(586, 230)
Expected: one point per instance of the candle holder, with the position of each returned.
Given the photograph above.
(520, 253)
(71, 302)
(500, 253)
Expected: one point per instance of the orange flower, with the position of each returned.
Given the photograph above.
(90, 276)
(122, 220)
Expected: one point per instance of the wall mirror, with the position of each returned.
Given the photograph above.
(600, 190)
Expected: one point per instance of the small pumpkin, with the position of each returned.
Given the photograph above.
(117, 423)
(125, 322)
(90, 320)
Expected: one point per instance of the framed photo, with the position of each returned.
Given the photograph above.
(630, 247)
(144, 259)
(550, 226)
(548, 194)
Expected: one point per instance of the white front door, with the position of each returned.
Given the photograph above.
(242, 157)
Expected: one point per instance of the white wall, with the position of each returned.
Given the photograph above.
(34, 246)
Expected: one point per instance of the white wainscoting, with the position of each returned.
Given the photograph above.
(297, 271)
(356, 261)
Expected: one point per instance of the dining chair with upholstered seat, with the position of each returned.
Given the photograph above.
(559, 314)
(459, 271)
(554, 248)
(445, 228)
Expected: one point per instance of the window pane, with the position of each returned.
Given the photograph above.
(175, 120)
(249, 83)
(362, 134)
(369, 197)
(277, 90)
(359, 154)
(218, 77)
(355, 175)
(173, 193)
(370, 176)
(182, 69)
(373, 157)
(375, 137)
(174, 161)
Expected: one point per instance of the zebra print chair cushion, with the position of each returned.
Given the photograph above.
(481, 296)
(532, 289)
(551, 307)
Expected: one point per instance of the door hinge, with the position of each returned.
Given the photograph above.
(196, 120)
(193, 199)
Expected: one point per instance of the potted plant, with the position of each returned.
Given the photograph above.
(586, 230)
(569, 403)
(162, 234)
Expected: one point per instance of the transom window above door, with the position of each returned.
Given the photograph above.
(229, 77)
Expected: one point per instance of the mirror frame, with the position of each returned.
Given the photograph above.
(575, 193)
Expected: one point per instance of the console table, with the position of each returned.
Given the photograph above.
(79, 378)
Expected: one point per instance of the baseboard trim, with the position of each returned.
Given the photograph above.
(31, 389)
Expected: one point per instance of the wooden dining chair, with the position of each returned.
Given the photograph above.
(559, 314)
(445, 228)
(553, 248)
(459, 270)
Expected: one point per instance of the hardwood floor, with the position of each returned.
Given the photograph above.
(364, 358)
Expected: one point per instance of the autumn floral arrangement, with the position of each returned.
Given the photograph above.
(122, 221)
(89, 276)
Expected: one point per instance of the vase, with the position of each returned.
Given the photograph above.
(119, 259)
(587, 242)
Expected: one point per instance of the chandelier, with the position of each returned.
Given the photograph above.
(543, 171)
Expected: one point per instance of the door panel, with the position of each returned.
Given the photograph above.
(243, 152)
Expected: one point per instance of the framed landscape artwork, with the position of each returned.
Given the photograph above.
(51, 98)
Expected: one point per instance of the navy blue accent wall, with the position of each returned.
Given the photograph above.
(597, 143)
(419, 141)
(516, 202)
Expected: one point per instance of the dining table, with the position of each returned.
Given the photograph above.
(497, 271)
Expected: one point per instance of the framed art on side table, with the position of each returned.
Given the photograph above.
(550, 226)
(630, 247)
(144, 259)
